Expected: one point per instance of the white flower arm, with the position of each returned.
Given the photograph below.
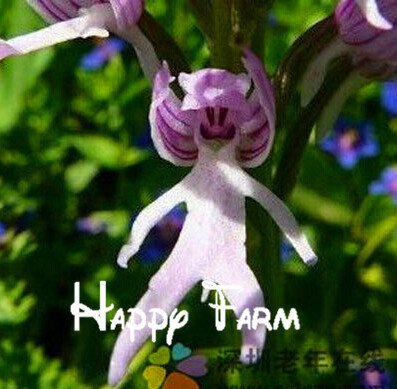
(276, 208)
(147, 219)
(93, 23)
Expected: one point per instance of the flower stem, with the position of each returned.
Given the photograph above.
(224, 53)
(298, 134)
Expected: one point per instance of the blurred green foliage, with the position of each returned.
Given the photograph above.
(69, 149)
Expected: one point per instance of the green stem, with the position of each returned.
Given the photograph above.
(221, 33)
(299, 133)
(164, 45)
(223, 54)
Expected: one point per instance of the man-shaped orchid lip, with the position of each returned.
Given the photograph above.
(211, 246)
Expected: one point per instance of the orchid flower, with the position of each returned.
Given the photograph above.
(373, 14)
(224, 123)
(71, 19)
(367, 33)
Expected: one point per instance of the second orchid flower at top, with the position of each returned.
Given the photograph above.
(72, 19)
(365, 32)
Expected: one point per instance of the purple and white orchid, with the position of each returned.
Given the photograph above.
(224, 122)
(71, 19)
(372, 11)
(369, 45)
(366, 31)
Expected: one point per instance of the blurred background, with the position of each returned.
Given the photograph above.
(77, 165)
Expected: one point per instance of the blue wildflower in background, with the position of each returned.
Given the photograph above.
(163, 236)
(374, 376)
(104, 51)
(387, 183)
(3, 230)
(144, 140)
(90, 226)
(286, 251)
(349, 142)
(3, 233)
(388, 97)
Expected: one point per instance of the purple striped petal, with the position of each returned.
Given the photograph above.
(357, 28)
(127, 12)
(371, 11)
(172, 131)
(258, 133)
(254, 138)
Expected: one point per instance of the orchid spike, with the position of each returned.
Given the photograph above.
(224, 122)
(71, 19)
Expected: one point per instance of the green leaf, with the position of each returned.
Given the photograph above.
(106, 152)
(80, 174)
(375, 278)
(116, 221)
(14, 306)
(377, 237)
(320, 207)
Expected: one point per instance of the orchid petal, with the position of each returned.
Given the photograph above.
(254, 138)
(148, 218)
(371, 11)
(317, 70)
(264, 92)
(262, 84)
(172, 132)
(213, 88)
(276, 208)
(93, 23)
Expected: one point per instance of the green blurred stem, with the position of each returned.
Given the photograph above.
(224, 53)
(165, 46)
(298, 133)
(221, 33)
